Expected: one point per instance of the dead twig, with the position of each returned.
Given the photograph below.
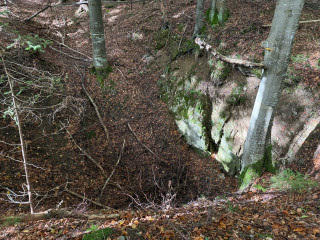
(53, 213)
(64, 45)
(22, 142)
(156, 156)
(86, 154)
(94, 105)
(87, 199)
(301, 22)
(202, 44)
(66, 54)
(37, 13)
(114, 169)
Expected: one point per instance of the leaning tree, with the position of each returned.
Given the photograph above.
(257, 148)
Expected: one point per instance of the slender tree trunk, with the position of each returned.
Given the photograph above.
(219, 12)
(257, 148)
(222, 10)
(212, 10)
(100, 61)
(199, 19)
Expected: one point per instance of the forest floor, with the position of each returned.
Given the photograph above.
(161, 187)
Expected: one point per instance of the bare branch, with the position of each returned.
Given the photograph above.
(156, 156)
(301, 22)
(114, 169)
(85, 198)
(94, 105)
(202, 44)
(23, 147)
(85, 153)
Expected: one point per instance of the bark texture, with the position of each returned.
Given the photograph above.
(97, 35)
(218, 12)
(199, 19)
(257, 148)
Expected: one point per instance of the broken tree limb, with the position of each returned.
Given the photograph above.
(59, 214)
(87, 199)
(94, 105)
(301, 22)
(86, 154)
(68, 55)
(37, 13)
(21, 137)
(114, 169)
(79, 3)
(202, 44)
(156, 156)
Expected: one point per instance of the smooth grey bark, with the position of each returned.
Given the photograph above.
(199, 19)
(218, 12)
(257, 148)
(212, 9)
(99, 56)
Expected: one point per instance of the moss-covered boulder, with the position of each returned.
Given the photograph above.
(212, 106)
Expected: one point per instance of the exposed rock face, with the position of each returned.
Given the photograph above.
(212, 107)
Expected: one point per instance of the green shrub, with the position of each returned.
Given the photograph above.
(237, 96)
(292, 181)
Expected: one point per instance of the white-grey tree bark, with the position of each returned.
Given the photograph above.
(218, 12)
(257, 148)
(100, 61)
(199, 19)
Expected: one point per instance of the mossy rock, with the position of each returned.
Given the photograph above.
(219, 72)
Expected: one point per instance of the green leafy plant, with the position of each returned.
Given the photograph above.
(92, 228)
(257, 72)
(259, 187)
(231, 207)
(292, 181)
(237, 96)
(34, 43)
(109, 5)
(11, 221)
(100, 234)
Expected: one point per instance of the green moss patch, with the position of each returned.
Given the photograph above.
(100, 234)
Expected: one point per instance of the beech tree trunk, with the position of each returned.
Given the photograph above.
(199, 19)
(257, 148)
(99, 56)
(218, 12)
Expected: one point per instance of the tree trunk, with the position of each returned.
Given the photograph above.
(218, 12)
(212, 11)
(100, 61)
(199, 19)
(257, 148)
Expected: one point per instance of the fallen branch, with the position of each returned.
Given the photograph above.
(66, 54)
(59, 214)
(143, 143)
(21, 137)
(301, 22)
(87, 199)
(94, 105)
(63, 44)
(79, 3)
(86, 154)
(202, 44)
(37, 13)
(114, 169)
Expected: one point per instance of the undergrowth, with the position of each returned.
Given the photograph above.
(288, 180)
